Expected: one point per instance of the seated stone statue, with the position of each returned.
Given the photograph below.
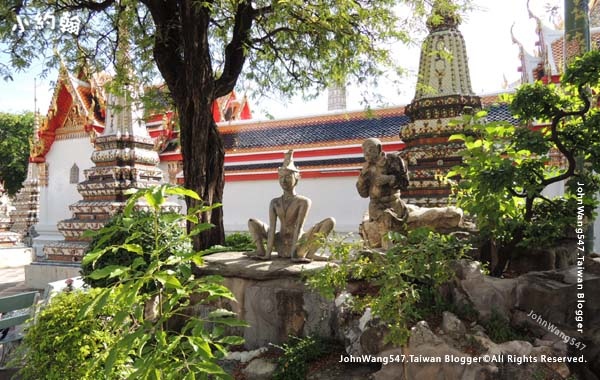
(291, 210)
(381, 180)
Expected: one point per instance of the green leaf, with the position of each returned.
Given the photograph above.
(212, 369)
(131, 202)
(458, 136)
(168, 280)
(221, 313)
(108, 271)
(92, 256)
(136, 248)
(232, 340)
(199, 228)
(183, 192)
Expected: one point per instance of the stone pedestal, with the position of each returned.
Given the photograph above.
(272, 298)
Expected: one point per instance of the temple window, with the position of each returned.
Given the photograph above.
(74, 177)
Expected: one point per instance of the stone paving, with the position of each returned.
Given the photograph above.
(12, 281)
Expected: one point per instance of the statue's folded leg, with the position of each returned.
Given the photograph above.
(311, 241)
(258, 230)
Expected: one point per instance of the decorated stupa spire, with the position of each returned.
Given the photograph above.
(443, 68)
(442, 94)
(124, 159)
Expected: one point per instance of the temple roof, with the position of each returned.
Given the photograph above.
(314, 131)
(330, 130)
(549, 55)
(75, 111)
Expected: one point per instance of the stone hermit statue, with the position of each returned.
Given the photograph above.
(291, 210)
(381, 179)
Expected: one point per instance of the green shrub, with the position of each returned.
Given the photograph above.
(499, 329)
(155, 291)
(403, 283)
(121, 230)
(240, 241)
(61, 346)
(297, 353)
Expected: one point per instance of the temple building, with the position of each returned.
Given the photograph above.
(327, 147)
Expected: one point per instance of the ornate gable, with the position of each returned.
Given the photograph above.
(75, 112)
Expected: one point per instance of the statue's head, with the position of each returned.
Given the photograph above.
(372, 150)
(289, 174)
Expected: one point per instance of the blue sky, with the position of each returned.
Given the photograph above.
(492, 56)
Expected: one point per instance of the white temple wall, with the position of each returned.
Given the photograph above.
(163, 166)
(56, 197)
(557, 189)
(331, 197)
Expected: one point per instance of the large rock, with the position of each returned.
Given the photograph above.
(260, 369)
(452, 325)
(238, 265)
(441, 219)
(553, 297)
(271, 298)
(428, 356)
(443, 369)
(486, 293)
(558, 257)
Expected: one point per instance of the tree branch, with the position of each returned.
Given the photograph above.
(85, 4)
(569, 155)
(167, 41)
(271, 34)
(236, 50)
(514, 193)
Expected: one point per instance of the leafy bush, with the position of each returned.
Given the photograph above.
(403, 283)
(502, 166)
(293, 364)
(240, 241)
(155, 291)
(505, 168)
(121, 229)
(499, 329)
(63, 347)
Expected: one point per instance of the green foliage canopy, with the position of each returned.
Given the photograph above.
(283, 45)
(15, 132)
(138, 227)
(506, 168)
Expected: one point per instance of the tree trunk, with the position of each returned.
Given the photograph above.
(191, 81)
(204, 155)
(182, 54)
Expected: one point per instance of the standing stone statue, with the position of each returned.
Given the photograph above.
(381, 179)
(291, 210)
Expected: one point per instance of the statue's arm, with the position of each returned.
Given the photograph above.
(385, 179)
(272, 228)
(363, 183)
